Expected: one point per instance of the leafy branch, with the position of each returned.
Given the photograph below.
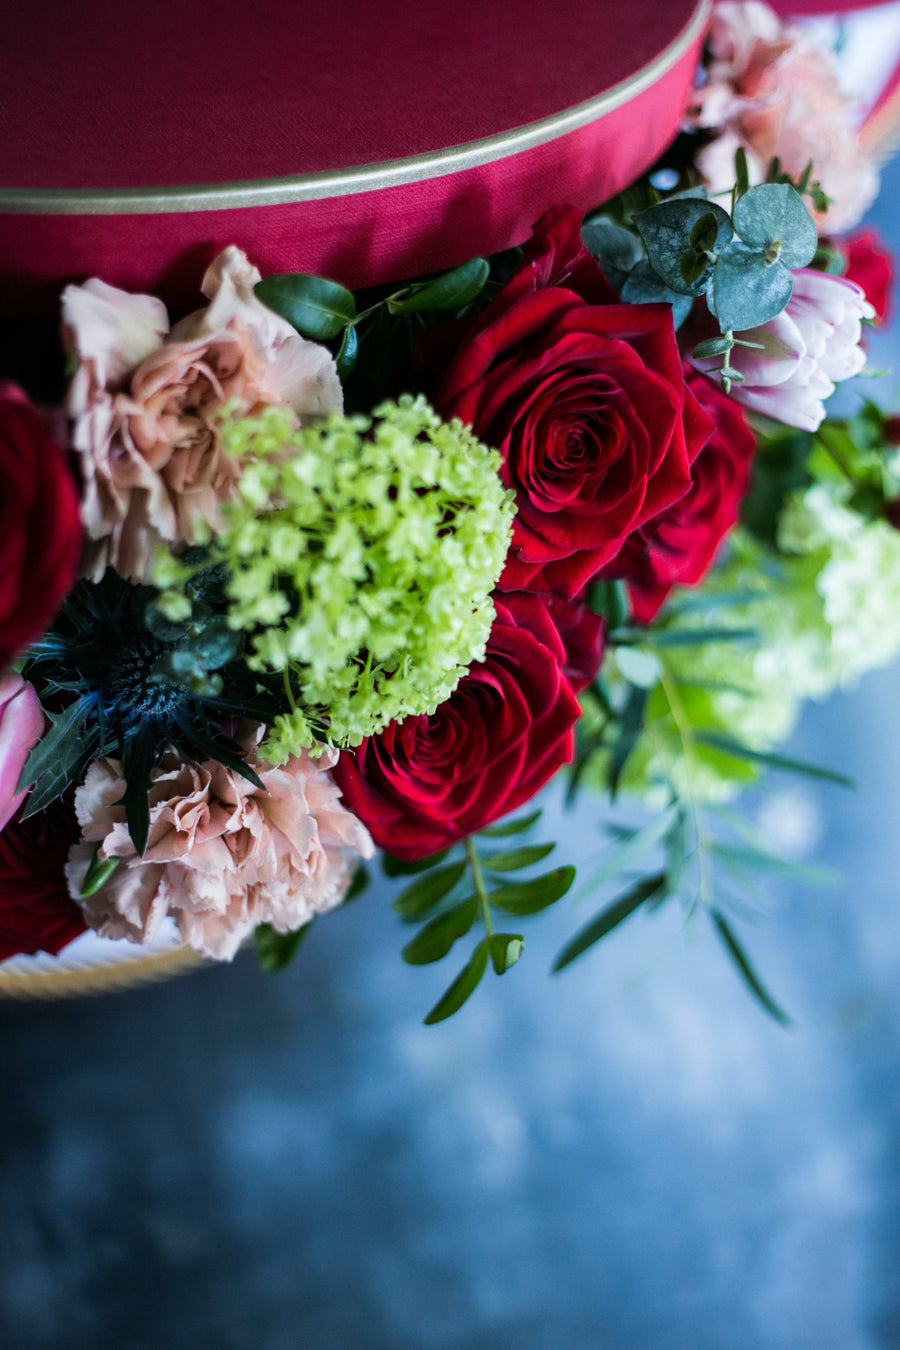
(450, 897)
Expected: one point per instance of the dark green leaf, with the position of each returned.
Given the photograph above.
(747, 291)
(630, 727)
(610, 918)
(58, 757)
(610, 600)
(749, 975)
(505, 948)
(666, 233)
(773, 216)
(513, 859)
(399, 867)
(463, 986)
(528, 897)
(630, 851)
(804, 874)
(509, 827)
(451, 290)
(359, 883)
(428, 889)
(316, 307)
(741, 170)
(161, 627)
(729, 746)
(693, 637)
(437, 937)
(347, 352)
(277, 950)
(98, 873)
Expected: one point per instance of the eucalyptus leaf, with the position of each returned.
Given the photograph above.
(746, 291)
(666, 229)
(316, 307)
(609, 918)
(774, 216)
(427, 890)
(508, 827)
(513, 859)
(434, 941)
(748, 974)
(529, 897)
(452, 290)
(505, 949)
(463, 986)
(616, 249)
(645, 287)
(640, 668)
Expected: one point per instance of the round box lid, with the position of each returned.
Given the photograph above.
(366, 140)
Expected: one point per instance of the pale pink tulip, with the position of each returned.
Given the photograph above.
(21, 727)
(803, 352)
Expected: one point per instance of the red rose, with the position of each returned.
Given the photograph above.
(426, 782)
(36, 912)
(678, 546)
(40, 527)
(871, 266)
(585, 398)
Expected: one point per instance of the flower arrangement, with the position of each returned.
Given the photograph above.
(308, 574)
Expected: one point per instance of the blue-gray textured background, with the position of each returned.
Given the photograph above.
(628, 1157)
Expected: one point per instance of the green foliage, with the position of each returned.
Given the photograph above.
(449, 898)
(317, 308)
(275, 950)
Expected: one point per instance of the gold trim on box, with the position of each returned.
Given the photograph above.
(358, 178)
(104, 977)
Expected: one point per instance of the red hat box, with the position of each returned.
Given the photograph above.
(368, 140)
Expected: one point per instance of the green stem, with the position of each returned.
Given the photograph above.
(686, 736)
(480, 891)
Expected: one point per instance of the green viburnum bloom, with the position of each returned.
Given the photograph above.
(362, 553)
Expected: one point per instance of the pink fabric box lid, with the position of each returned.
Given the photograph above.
(366, 140)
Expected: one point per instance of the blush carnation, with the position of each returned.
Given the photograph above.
(147, 406)
(585, 399)
(801, 353)
(772, 91)
(222, 855)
